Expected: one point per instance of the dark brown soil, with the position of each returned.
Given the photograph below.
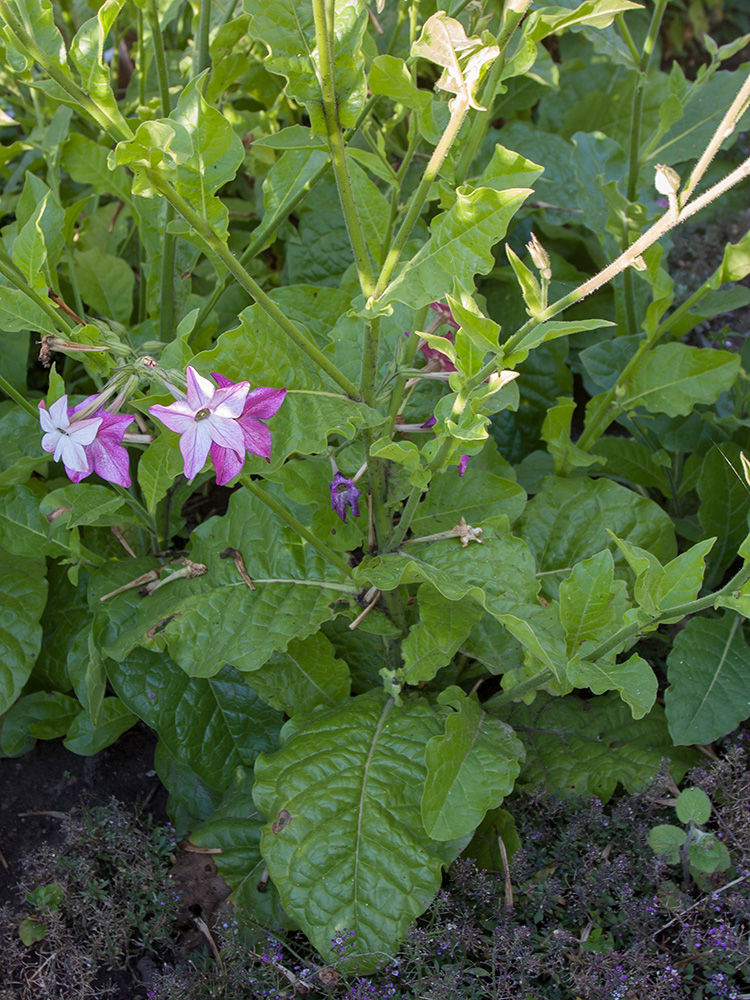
(50, 779)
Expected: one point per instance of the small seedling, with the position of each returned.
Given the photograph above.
(699, 852)
(46, 898)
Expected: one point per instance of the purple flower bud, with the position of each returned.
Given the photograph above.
(462, 464)
(344, 494)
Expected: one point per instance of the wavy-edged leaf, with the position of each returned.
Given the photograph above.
(345, 833)
(211, 724)
(634, 680)
(106, 283)
(709, 680)
(87, 739)
(677, 377)
(38, 19)
(435, 639)
(87, 55)
(471, 767)
(190, 801)
(288, 29)
(464, 60)
(43, 715)
(459, 246)
(576, 747)
(592, 602)
(158, 467)
(216, 619)
(568, 520)
(304, 677)
(23, 593)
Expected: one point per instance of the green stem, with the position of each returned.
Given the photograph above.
(8, 389)
(220, 249)
(9, 271)
(632, 323)
(407, 515)
(628, 39)
(511, 19)
(678, 611)
(280, 510)
(636, 119)
(204, 27)
(420, 195)
(334, 136)
(602, 416)
(628, 632)
(166, 293)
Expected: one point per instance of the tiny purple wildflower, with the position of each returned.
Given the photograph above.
(344, 494)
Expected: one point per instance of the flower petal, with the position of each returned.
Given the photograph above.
(200, 392)
(227, 463)
(256, 436)
(73, 455)
(59, 413)
(84, 431)
(264, 402)
(194, 446)
(110, 461)
(228, 403)
(178, 416)
(225, 432)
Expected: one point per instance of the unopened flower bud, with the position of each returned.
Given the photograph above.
(540, 257)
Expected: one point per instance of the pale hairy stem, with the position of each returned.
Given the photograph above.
(626, 259)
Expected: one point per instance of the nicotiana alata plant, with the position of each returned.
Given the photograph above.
(274, 244)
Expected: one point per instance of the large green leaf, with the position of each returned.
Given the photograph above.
(345, 844)
(471, 767)
(442, 627)
(481, 495)
(216, 619)
(709, 680)
(190, 800)
(22, 452)
(213, 725)
(38, 20)
(576, 747)
(305, 676)
(675, 377)
(235, 829)
(634, 680)
(88, 740)
(499, 573)
(66, 617)
(288, 29)
(87, 54)
(725, 501)
(459, 246)
(23, 592)
(592, 602)
(568, 521)
(43, 715)
(106, 283)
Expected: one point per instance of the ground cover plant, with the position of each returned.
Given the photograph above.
(370, 459)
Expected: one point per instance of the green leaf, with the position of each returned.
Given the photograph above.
(471, 767)
(288, 29)
(23, 593)
(86, 162)
(482, 495)
(709, 855)
(92, 505)
(577, 747)
(666, 841)
(212, 725)
(436, 638)
(43, 715)
(459, 246)
(508, 169)
(18, 312)
(106, 283)
(291, 175)
(235, 827)
(21, 453)
(87, 55)
(464, 60)
(65, 617)
(707, 669)
(30, 251)
(556, 431)
(568, 521)
(675, 378)
(693, 804)
(296, 590)
(499, 573)
(38, 19)
(594, 13)
(390, 77)
(634, 681)
(25, 531)
(528, 282)
(306, 676)
(550, 330)
(633, 461)
(724, 503)
(158, 467)
(31, 930)
(348, 787)
(592, 603)
(190, 800)
(88, 740)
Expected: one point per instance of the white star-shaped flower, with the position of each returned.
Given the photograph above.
(66, 439)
